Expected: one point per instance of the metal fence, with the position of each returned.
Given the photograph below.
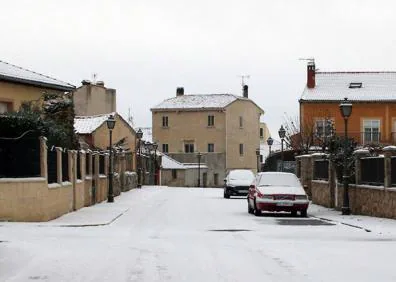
(20, 157)
(321, 170)
(372, 171)
(393, 171)
(52, 166)
(78, 165)
(101, 164)
(65, 166)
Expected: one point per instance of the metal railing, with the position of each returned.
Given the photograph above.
(372, 170)
(321, 170)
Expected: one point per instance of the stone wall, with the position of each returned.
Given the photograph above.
(321, 193)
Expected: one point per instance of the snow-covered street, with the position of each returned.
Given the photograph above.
(182, 234)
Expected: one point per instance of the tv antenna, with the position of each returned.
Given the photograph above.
(243, 77)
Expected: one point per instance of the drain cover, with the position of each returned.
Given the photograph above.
(302, 222)
(229, 230)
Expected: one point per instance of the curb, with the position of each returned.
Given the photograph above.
(343, 223)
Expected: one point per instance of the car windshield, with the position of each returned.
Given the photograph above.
(241, 175)
(278, 179)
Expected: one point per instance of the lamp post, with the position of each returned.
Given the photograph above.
(155, 146)
(282, 133)
(346, 111)
(258, 159)
(139, 135)
(110, 125)
(199, 155)
(270, 141)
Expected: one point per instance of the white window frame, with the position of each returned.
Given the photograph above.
(323, 122)
(370, 136)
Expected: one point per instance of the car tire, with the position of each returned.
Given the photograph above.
(303, 213)
(226, 195)
(294, 213)
(256, 211)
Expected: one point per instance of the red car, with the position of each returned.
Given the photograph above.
(276, 192)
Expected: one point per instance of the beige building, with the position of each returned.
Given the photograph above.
(19, 85)
(94, 99)
(224, 128)
(93, 133)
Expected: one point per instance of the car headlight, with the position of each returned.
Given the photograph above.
(301, 197)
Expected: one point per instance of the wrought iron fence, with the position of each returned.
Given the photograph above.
(372, 170)
(78, 165)
(52, 166)
(87, 163)
(101, 164)
(65, 166)
(321, 170)
(393, 171)
(20, 157)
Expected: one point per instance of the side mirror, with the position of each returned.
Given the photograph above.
(225, 180)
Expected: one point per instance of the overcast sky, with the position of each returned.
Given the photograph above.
(145, 49)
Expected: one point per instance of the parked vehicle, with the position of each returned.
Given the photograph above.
(275, 192)
(237, 182)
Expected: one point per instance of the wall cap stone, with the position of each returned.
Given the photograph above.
(303, 156)
(27, 179)
(389, 149)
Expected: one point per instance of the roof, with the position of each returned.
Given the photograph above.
(9, 72)
(200, 101)
(88, 124)
(169, 163)
(334, 86)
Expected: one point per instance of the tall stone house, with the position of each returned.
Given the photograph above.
(373, 98)
(223, 128)
(18, 85)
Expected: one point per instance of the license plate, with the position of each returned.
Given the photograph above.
(284, 204)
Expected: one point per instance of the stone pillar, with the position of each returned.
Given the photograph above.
(95, 176)
(389, 151)
(43, 157)
(359, 154)
(122, 169)
(332, 183)
(306, 173)
(59, 164)
(73, 175)
(83, 165)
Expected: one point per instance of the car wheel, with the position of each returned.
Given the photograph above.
(226, 195)
(257, 212)
(303, 213)
(294, 213)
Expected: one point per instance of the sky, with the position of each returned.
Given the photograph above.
(145, 49)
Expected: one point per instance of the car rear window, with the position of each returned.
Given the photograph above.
(280, 179)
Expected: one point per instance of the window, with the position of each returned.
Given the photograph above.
(189, 148)
(324, 128)
(165, 121)
(216, 179)
(211, 121)
(355, 85)
(210, 147)
(261, 133)
(371, 131)
(240, 122)
(241, 149)
(174, 173)
(165, 148)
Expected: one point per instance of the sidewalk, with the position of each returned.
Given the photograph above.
(378, 225)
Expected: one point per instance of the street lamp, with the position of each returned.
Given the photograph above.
(346, 111)
(199, 155)
(155, 146)
(258, 159)
(282, 133)
(270, 141)
(139, 135)
(110, 125)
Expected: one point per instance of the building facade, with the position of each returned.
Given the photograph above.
(18, 85)
(93, 98)
(218, 130)
(373, 98)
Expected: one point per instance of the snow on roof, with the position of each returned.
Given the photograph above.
(204, 101)
(14, 73)
(169, 163)
(88, 124)
(335, 86)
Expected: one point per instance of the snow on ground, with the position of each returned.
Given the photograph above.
(186, 234)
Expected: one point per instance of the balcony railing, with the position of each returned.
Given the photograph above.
(365, 138)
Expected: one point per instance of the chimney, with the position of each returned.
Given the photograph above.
(179, 91)
(311, 74)
(100, 83)
(245, 91)
(85, 82)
